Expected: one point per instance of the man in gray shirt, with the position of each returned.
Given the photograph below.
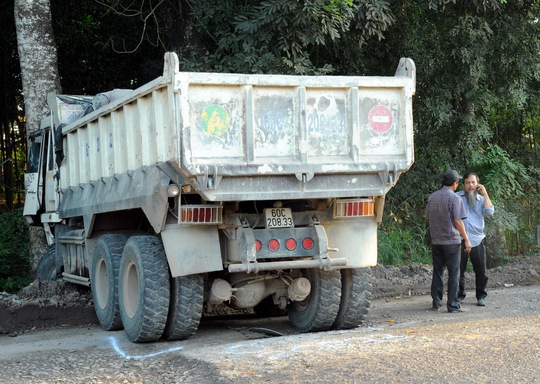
(445, 213)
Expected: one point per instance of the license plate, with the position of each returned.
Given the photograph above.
(278, 218)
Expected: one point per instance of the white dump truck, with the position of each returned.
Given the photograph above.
(202, 193)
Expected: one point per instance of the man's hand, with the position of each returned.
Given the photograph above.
(481, 189)
(468, 246)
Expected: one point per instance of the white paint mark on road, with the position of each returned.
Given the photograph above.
(262, 348)
(114, 344)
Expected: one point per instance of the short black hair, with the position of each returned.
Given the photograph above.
(448, 182)
(469, 174)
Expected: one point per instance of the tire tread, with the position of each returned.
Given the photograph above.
(149, 322)
(355, 298)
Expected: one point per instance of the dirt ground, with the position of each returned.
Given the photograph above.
(50, 304)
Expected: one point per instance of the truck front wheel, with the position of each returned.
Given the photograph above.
(185, 309)
(104, 280)
(355, 298)
(144, 288)
(318, 311)
(46, 268)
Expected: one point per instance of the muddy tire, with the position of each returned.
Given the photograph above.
(104, 280)
(318, 311)
(355, 298)
(144, 288)
(185, 308)
(46, 268)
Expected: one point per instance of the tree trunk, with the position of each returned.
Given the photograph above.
(39, 72)
(38, 57)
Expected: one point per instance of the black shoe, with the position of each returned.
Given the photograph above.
(460, 298)
(436, 307)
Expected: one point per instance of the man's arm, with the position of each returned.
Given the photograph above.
(488, 205)
(461, 228)
(487, 201)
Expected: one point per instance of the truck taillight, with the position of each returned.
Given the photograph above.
(200, 214)
(308, 243)
(353, 208)
(290, 244)
(258, 245)
(273, 245)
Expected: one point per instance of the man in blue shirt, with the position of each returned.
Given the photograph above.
(445, 212)
(478, 205)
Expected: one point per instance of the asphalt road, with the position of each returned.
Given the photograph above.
(403, 342)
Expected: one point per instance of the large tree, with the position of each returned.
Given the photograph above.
(39, 72)
(37, 56)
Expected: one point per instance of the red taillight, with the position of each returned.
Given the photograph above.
(307, 243)
(273, 245)
(201, 214)
(290, 244)
(258, 245)
(353, 208)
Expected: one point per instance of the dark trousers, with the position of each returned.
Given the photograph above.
(478, 261)
(445, 256)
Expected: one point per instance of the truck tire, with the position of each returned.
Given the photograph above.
(318, 311)
(144, 288)
(185, 308)
(46, 268)
(355, 298)
(104, 280)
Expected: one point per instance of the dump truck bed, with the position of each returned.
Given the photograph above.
(251, 137)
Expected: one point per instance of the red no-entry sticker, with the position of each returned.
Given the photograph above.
(380, 118)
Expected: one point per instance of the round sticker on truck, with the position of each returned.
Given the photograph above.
(380, 118)
(215, 120)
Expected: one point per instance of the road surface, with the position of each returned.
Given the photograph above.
(403, 341)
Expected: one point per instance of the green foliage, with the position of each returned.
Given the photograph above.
(477, 102)
(505, 179)
(475, 109)
(12, 128)
(14, 252)
(271, 36)
(398, 245)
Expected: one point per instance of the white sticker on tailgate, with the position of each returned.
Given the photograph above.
(278, 218)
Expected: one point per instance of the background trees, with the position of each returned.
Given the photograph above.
(12, 147)
(478, 72)
(476, 108)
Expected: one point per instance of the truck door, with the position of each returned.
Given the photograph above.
(33, 178)
(51, 178)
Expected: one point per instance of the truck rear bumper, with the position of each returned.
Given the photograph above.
(255, 267)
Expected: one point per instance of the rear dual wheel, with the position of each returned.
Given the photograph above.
(144, 288)
(318, 311)
(185, 309)
(355, 298)
(104, 280)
